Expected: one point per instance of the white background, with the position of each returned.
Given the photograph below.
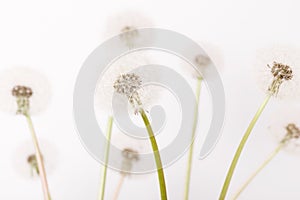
(56, 37)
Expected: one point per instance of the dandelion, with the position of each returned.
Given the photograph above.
(23, 95)
(129, 157)
(127, 24)
(292, 134)
(280, 73)
(286, 54)
(25, 162)
(128, 85)
(202, 62)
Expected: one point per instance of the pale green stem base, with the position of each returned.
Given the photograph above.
(104, 169)
(39, 158)
(264, 164)
(241, 147)
(160, 171)
(191, 150)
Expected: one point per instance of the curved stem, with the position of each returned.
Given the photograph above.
(191, 150)
(241, 147)
(40, 162)
(264, 164)
(104, 169)
(119, 186)
(160, 171)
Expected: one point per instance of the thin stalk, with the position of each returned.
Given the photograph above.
(160, 171)
(191, 150)
(119, 186)
(104, 169)
(241, 147)
(264, 164)
(39, 158)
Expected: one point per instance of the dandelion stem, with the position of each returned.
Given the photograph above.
(40, 162)
(191, 150)
(119, 186)
(160, 171)
(241, 146)
(264, 164)
(104, 169)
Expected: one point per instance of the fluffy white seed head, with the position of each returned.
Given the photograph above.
(278, 68)
(105, 86)
(17, 85)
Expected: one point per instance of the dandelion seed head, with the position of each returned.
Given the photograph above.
(280, 73)
(129, 157)
(105, 90)
(293, 132)
(22, 91)
(285, 128)
(24, 160)
(212, 56)
(128, 85)
(127, 23)
(21, 84)
(32, 161)
(202, 60)
(279, 66)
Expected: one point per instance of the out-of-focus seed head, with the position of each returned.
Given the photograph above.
(31, 160)
(128, 34)
(202, 60)
(129, 156)
(293, 131)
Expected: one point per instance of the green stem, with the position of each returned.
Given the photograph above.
(39, 158)
(264, 164)
(160, 171)
(191, 150)
(241, 147)
(104, 169)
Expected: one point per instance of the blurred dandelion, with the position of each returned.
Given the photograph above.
(291, 135)
(281, 74)
(127, 24)
(25, 163)
(20, 81)
(202, 62)
(130, 156)
(277, 127)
